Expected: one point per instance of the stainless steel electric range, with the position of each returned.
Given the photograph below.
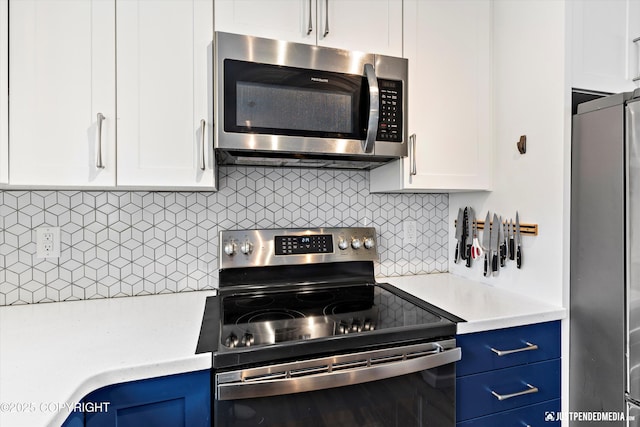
(301, 334)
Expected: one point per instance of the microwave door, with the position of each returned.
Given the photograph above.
(374, 109)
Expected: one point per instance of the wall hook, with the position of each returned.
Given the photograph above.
(522, 144)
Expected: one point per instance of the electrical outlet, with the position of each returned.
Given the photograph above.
(410, 228)
(48, 242)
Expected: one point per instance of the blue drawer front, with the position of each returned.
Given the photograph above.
(474, 395)
(541, 414)
(477, 355)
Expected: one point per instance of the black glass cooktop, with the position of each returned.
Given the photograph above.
(249, 326)
(259, 319)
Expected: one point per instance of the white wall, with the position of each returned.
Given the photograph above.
(532, 98)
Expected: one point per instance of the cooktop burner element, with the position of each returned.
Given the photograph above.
(287, 293)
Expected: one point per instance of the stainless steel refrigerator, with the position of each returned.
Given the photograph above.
(605, 262)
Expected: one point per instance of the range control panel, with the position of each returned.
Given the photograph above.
(259, 248)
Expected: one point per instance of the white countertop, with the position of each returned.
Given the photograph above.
(483, 307)
(57, 353)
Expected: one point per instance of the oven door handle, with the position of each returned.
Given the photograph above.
(374, 108)
(335, 378)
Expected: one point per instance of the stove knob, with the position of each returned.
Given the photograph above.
(356, 326)
(230, 248)
(342, 243)
(367, 325)
(368, 242)
(247, 339)
(246, 247)
(343, 328)
(231, 341)
(356, 243)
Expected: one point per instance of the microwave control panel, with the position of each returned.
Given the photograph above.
(390, 122)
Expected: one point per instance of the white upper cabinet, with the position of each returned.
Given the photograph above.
(62, 75)
(164, 119)
(63, 110)
(371, 26)
(603, 52)
(4, 91)
(448, 45)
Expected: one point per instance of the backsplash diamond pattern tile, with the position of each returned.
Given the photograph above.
(117, 243)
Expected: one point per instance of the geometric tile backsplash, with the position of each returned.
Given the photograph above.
(127, 243)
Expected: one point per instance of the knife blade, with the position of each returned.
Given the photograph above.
(502, 243)
(459, 228)
(471, 215)
(495, 236)
(512, 246)
(518, 242)
(505, 228)
(486, 244)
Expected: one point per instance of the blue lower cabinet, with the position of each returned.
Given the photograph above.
(182, 400)
(76, 419)
(542, 414)
(509, 377)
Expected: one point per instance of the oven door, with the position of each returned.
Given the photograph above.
(403, 386)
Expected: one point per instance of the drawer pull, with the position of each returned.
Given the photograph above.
(531, 389)
(517, 350)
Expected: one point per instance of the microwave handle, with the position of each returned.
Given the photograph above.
(374, 108)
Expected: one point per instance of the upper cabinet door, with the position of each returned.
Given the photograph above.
(4, 91)
(62, 77)
(164, 84)
(290, 20)
(604, 55)
(449, 99)
(368, 26)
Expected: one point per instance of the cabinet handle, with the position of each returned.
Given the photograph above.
(99, 163)
(326, 18)
(529, 347)
(413, 170)
(637, 78)
(530, 389)
(203, 147)
(310, 28)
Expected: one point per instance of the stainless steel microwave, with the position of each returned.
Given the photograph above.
(278, 103)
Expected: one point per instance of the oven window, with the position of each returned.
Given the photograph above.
(423, 398)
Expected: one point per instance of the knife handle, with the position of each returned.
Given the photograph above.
(503, 253)
(457, 253)
(519, 257)
(494, 263)
(512, 249)
(468, 256)
(486, 264)
(463, 245)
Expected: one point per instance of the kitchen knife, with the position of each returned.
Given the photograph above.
(503, 244)
(495, 236)
(512, 246)
(463, 240)
(486, 244)
(459, 228)
(518, 242)
(471, 216)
